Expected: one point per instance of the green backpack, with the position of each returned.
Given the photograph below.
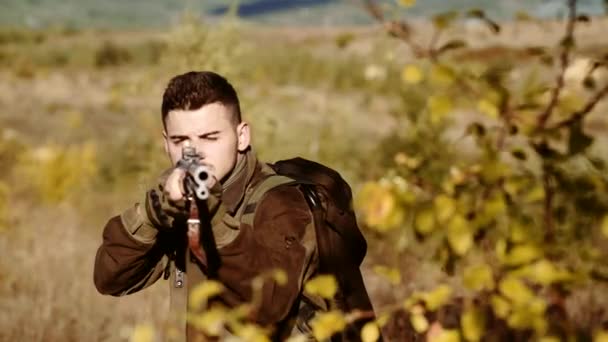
(341, 245)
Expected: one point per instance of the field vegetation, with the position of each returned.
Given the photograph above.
(483, 211)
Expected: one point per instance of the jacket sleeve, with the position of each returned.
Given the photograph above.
(129, 258)
(133, 254)
(282, 237)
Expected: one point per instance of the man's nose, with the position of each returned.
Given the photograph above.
(200, 150)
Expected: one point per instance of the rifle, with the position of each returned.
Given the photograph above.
(200, 233)
(195, 182)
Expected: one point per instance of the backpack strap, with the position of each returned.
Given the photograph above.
(246, 212)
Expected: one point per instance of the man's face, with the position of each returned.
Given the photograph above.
(211, 131)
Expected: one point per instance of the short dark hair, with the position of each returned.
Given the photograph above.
(194, 89)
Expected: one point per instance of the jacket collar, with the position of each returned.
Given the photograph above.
(236, 185)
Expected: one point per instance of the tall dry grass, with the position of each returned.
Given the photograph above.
(304, 92)
(47, 289)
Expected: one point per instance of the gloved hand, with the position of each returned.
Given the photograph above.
(166, 202)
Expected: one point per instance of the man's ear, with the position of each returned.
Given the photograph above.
(243, 136)
(166, 144)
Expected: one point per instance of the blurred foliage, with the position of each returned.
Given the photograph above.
(507, 200)
(56, 172)
(111, 55)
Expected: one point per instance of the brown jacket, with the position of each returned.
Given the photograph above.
(137, 250)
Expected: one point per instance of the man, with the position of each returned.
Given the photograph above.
(149, 240)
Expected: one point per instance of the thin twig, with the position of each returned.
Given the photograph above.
(567, 45)
(432, 48)
(506, 114)
(548, 205)
(579, 115)
(397, 29)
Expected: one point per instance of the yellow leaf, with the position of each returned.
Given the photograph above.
(446, 336)
(448, 186)
(410, 162)
(460, 236)
(522, 254)
(488, 108)
(322, 285)
(202, 292)
(519, 233)
(280, 277)
(549, 339)
(390, 273)
(411, 301)
(419, 322)
(436, 298)
(383, 319)
(605, 226)
(493, 208)
(253, 333)
(501, 249)
(544, 272)
(540, 325)
(210, 321)
(370, 332)
(478, 278)
(569, 102)
(445, 207)
(325, 324)
(473, 324)
(537, 306)
(242, 311)
(425, 221)
(407, 3)
(515, 290)
(536, 194)
(412, 74)
(439, 107)
(529, 315)
(500, 306)
(143, 333)
(457, 175)
(441, 75)
(379, 206)
(513, 186)
(601, 336)
(492, 171)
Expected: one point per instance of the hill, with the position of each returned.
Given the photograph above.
(160, 13)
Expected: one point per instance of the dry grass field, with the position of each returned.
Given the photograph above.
(80, 138)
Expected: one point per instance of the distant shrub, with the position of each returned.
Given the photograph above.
(109, 54)
(54, 173)
(151, 51)
(58, 58)
(20, 36)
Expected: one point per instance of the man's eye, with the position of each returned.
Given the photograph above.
(211, 138)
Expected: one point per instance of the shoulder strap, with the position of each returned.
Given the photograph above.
(246, 213)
